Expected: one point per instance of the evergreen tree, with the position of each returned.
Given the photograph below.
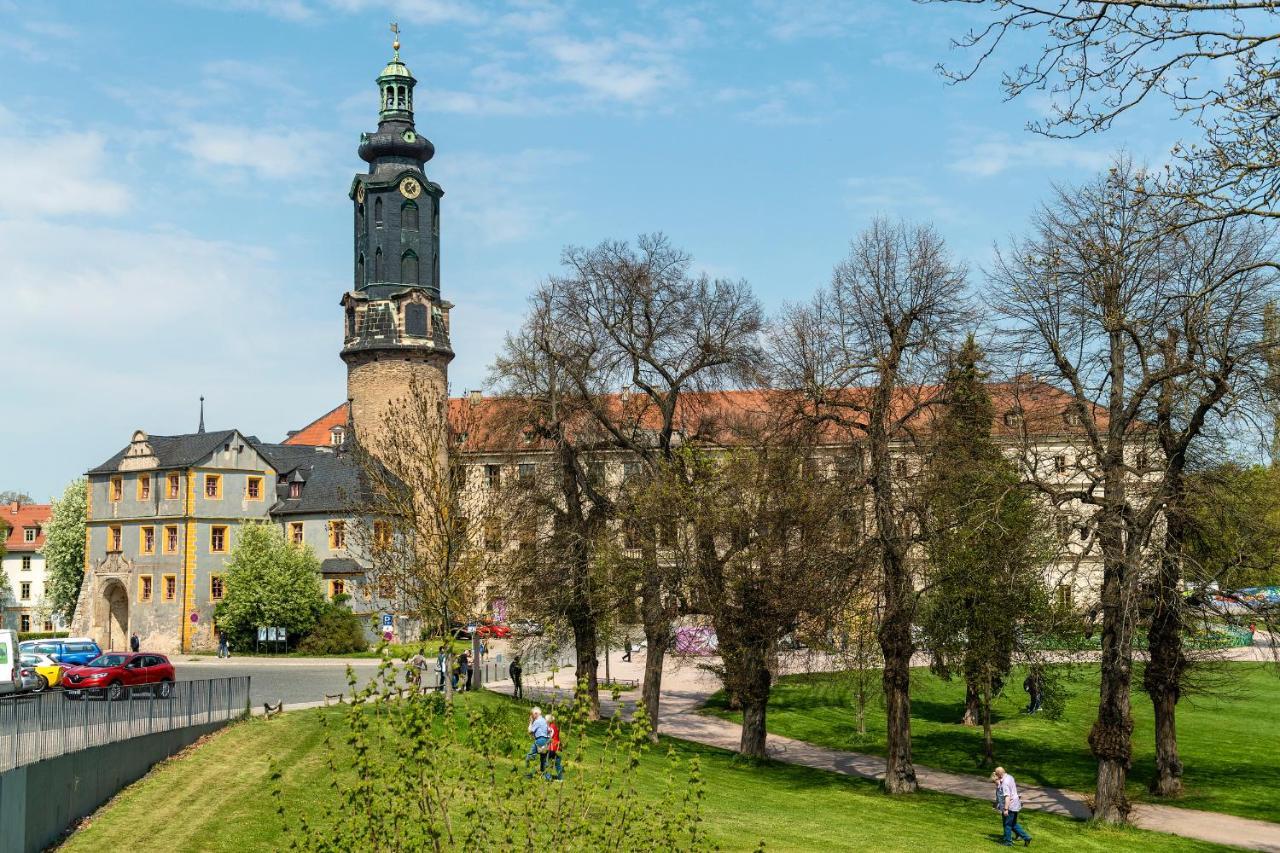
(64, 548)
(985, 552)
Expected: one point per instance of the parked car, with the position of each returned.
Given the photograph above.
(48, 671)
(28, 679)
(69, 651)
(114, 673)
(462, 632)
(526, 628)
(10, 680)
(495, 630)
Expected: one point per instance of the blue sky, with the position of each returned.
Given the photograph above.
(174, 219)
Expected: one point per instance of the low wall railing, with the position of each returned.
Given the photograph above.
(36, 726)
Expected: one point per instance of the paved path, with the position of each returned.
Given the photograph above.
(687, 688)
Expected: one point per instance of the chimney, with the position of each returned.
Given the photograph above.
(13, 507)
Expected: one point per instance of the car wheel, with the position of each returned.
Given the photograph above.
(42, 684)
(115, 691)
(165, 689)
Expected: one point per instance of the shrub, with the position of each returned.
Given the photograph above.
(337, 632)
(43, 635)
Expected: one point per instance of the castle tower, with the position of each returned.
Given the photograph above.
(396, 325)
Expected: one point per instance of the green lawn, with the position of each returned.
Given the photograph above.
(216, 798)
(1229, 742)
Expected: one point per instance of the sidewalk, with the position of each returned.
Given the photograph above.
(686, 689)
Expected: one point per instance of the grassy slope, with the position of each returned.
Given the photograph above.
(216, 798)
(1228, 744)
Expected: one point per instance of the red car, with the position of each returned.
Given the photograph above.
(116, 674)
(499, 631)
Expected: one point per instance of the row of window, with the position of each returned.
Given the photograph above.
(169, 588)
(253, 488)
(219, 539)
(408, 267)
(337, 533)
(24, 623)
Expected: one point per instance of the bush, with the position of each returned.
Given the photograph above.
(337, 632)
(43, 635)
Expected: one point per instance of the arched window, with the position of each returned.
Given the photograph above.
(377, 264)
(400, 96)
(409, 267)
(377, 212)
(391, 97)
(360, 271)
(415, 320)
(351, 322)
(409, 216)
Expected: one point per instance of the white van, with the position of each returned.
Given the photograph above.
(10, 681)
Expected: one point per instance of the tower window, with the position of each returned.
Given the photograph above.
(409, 216)
(360, 270)
(415, 320)
(377, 213)
(351, 322)
(409, 267)
(391, 97)
(377, 264)
(400, 99)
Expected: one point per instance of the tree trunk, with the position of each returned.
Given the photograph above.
(655, 652)
(972, 704)
(862, 702)
(895, 642)
(988, 750)
(756, 680)
(1163, 676)
(1110, 739)
(586, 661)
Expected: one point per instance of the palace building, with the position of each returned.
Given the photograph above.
(165, 511)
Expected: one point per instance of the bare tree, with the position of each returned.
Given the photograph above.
(635, 322)
(1213, 61)
(755, 532)
(860, 359)
(1107, 298)
(565, 500)
(415, 521)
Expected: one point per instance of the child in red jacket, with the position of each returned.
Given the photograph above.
(553, 748)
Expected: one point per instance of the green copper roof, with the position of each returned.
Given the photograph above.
(395, 68)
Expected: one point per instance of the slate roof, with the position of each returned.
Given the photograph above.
(340, 566)
(332, 483)
(174, 451)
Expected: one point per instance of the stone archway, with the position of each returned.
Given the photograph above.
(111, 613)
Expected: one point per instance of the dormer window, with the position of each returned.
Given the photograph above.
(295, 489)
(1071, 417)
(29, 534)
(337, 435)
(1013, 418)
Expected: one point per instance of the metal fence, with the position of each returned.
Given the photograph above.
(36, 726)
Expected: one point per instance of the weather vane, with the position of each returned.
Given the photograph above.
(395, 44)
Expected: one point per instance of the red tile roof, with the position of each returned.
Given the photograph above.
(16, 517)
(713, 415)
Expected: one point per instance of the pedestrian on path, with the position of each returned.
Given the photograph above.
(515, 671)
(553, 751)
(464, 671)
(134, 645)
(541, 734)
(417, 674)
(224, 645)
(626, 648)
(1008, 803)
(442, 667)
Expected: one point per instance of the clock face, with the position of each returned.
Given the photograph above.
(360, 194)
(410, 188)
(409, 136)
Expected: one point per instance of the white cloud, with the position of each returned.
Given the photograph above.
(613, 69)
(898, 196)
(502, 198)
(997, 154)
(416, 11)
(69, 173)
(273, 153)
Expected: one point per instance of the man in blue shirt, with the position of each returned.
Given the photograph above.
(541, 734)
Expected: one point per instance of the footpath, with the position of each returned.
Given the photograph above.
(686, 689)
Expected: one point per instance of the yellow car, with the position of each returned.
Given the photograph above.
(47, 669)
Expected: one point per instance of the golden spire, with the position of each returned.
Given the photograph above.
(395, 44)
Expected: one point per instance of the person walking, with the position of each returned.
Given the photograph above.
(626, 648)
(553, 751)
(224, 645)
(442, 667)
(1034, 686)
(134, 645)
(464, 671)
(1008, 803)
(515, 671)
(541, 734)
(417, 671)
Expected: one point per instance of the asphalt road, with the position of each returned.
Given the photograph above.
(289, 682)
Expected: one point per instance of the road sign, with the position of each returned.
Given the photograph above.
(386, 621)
(195, 617)
(262, 634)
(387, 635)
